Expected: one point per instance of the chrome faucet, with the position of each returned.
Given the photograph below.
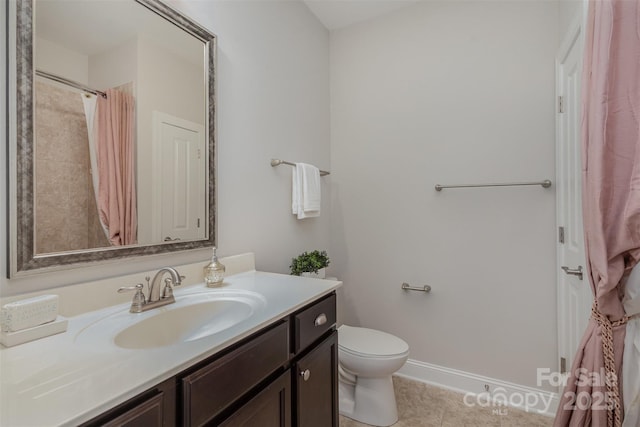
(156, 298)
(154, 290)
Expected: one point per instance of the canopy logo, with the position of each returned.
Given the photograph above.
(499, 399)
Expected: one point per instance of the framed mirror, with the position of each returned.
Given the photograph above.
(112, 132)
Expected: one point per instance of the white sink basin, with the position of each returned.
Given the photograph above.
(191, 317)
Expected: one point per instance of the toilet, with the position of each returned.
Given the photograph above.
(366, 360)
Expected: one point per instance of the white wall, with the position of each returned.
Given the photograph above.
(273, 98)
(448, 92)
(567, 12)
(61, 61)
(273, 101)
(114, 67)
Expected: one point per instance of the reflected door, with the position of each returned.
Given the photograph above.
(182, 198)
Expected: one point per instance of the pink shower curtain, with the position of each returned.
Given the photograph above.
(115, 152)
(611, 206)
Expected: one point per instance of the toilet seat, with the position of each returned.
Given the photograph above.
(370, 343)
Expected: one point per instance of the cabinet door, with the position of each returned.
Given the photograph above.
(146, 414)
(316, 385)
(153, 408)
(270, 408)
(207, 392)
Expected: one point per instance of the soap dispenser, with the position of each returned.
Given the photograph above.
(214, 271)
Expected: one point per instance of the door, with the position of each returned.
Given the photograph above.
(146, 414)
(316, 386)
(574, 293)
(270, 408)
(180, 167)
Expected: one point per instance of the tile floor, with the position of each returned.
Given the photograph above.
(422, 405)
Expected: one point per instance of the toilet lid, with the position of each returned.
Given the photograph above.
(370, 342)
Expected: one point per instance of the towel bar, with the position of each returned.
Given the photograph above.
(408, 287)
(545, 184)
(277, 162)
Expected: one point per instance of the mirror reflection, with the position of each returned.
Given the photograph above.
(120, 128)
(150, 188)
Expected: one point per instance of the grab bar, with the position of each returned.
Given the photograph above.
(408, 287)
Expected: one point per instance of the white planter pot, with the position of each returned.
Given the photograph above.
(319, 275)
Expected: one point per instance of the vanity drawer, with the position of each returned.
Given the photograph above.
(312, 322)
(209, 390)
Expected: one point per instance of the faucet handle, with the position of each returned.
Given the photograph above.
(167, 291)
(124, 289)
(138, 299)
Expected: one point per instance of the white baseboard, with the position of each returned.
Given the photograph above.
(499, 394)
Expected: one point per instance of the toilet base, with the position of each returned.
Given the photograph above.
(371, 401)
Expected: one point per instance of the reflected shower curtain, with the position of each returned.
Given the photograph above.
(611, 208)
(89, 101)
(115, 158)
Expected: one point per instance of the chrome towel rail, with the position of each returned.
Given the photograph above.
(545, 184)
(278, 162)
(408, 287)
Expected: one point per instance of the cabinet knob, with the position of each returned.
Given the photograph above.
(306, 374)
(320, 320)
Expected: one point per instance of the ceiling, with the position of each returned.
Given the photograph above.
(99, 26)
(336, 14)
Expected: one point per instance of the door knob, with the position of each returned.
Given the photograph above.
(306, 374)
(573, 271)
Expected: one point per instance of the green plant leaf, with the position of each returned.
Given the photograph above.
(309, 262)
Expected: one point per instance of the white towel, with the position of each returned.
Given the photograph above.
(305, 191)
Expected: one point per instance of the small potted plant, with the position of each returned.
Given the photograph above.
(310, 264)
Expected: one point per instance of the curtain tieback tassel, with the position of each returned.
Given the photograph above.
(614, 416)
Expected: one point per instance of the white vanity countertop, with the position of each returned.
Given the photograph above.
(63, 380)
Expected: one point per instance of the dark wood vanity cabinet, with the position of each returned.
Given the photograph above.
(284, 375)
(270, 407)
(315, 387)
(210, 391)
(147, 413)
(315, 365)
(154, 408)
